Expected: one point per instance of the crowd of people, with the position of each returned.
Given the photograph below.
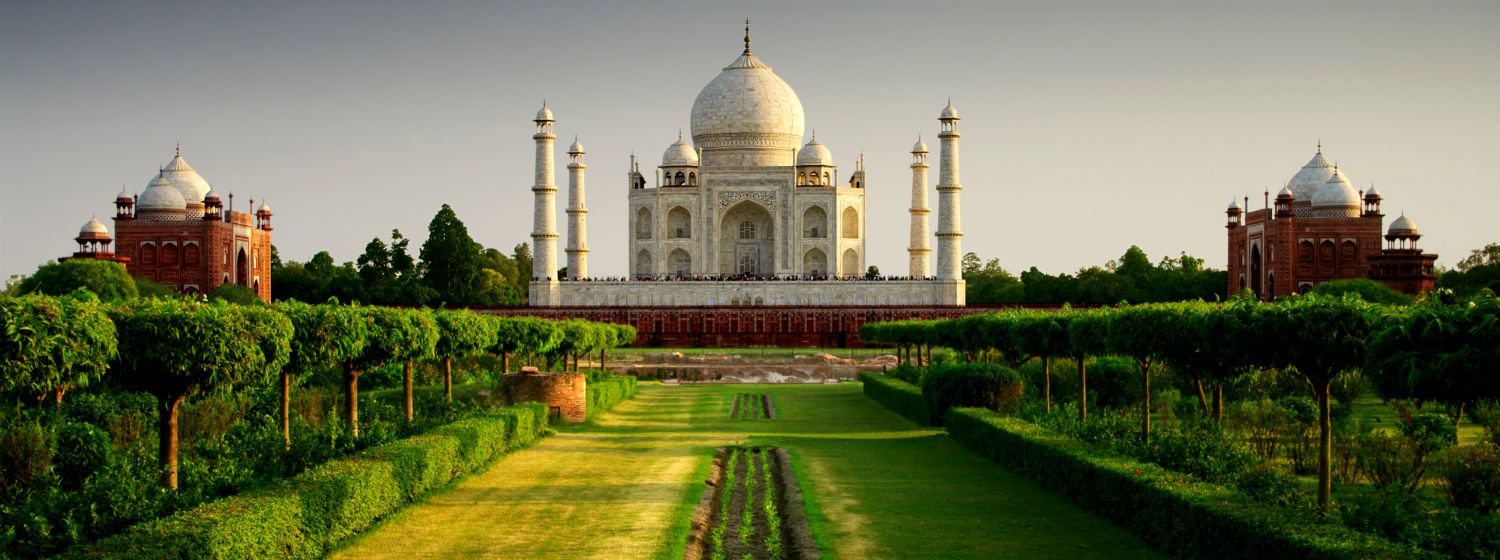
(743, 278)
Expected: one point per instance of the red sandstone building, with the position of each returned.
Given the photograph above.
(1321, 228)
(178, 232)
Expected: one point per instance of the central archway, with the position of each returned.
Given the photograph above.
(747, 240)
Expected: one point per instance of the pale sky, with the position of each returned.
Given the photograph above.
(1087, 126)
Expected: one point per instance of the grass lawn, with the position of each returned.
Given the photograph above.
(623, 485)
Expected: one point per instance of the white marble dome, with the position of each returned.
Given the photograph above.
(1372, 193)
(124, 196)
(1336, 198)
(1285, 192)
(93, 227)
(1403, 226)
(264, 208)
(160, 195)
(576, 148)
(1311, 177)
(187, 181)
(815, 153)
(949, 112)
(747, 105)
(544, 114)
(919, 147)
(1234, 205)
(680, 154)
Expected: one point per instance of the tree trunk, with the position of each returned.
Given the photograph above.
(1083, 388)
(1325, 446)
(602, 352)
(504, 363)
(1047, 382)
(406, 391)
(1145, 400)
(166, 408)
(57, 395)
(351, 399)
(286, 407)
(1219, 401)
(448, 379)
(1202, 398)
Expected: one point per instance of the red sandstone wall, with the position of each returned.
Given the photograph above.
(564, 392)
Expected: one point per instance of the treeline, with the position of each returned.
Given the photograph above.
(1132, 278)
(1433, 351)
(450, 268)
(74, 372)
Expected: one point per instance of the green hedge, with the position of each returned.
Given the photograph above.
(311, 513)
(1174, 513)
(899, 396)
(604, 395)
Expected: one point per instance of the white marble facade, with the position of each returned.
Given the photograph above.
(744, 214)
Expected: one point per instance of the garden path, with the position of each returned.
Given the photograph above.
(623, 486)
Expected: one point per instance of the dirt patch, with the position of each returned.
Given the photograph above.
(731, 368)
(752, 406)
(752, 508)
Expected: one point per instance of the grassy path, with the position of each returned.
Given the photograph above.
(880, 487)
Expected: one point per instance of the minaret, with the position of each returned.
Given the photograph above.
(919, 250)
(544, 217)
(950, 235)
(578, 247)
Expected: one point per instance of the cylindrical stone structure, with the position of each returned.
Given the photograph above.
(544, 219)
(950, 233)
(565, 394)
(578, 247)
(919, 251)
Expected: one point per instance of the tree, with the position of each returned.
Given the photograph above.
(872, 272)
(1438, 352)
(450, 258)
(107, 279)
(375, 263)
(51, 345)
(1319, 339)
(970, 263)
(461, 333)
(147, 288)
(1139, 331)
(1043, 334)
(323, 336)
(1088, 335)
(234, 293)
(523, 335)
(1478, 271)
(1366, 289)
(623, 335)
(179, 349)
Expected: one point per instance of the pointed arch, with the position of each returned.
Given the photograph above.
(815, 263)
(815, 223)
(679, 223)
(851, 263)
(643, 264)
(643, 223)
(681, 263)
(849, 223)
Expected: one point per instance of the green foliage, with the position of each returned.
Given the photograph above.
(899, 396)
(178, 349)
(396, 336)
(147, 288)
(989, 386)
(1472, 474)
(53, 344)
(525, 335)
(1438, 352)
(312, 512)
(1132, 278)
(463, 333)
(106, 279)
(234, 293)
(1187, 519)
(1475, 273)
(1457, 533)
(450, 259)
(605, 391)
(1365, 289)
(323, 336)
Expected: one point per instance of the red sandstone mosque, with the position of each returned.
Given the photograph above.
(1320, 228)
(179, 233)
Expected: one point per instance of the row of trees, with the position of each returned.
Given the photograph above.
(1432, 351)
(1131, 278)
(175, 349)
(450, 268)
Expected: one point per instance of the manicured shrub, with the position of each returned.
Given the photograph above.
(82, 450)
(1473, 476)
(1172, 512)
(309, 514)
(970, 384)
(907, 373)
(900, 396)
(604, 390)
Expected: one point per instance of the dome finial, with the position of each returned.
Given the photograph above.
(747, 35)
(679, 134)
(1320, 145)
(179, 148)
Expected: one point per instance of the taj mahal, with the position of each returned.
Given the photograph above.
(746, 214)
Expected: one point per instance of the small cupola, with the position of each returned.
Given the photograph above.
(93, 240)
(124, 205)
(1233, 213)
(1403, 234)
(1372, 202)
(1284, 201)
